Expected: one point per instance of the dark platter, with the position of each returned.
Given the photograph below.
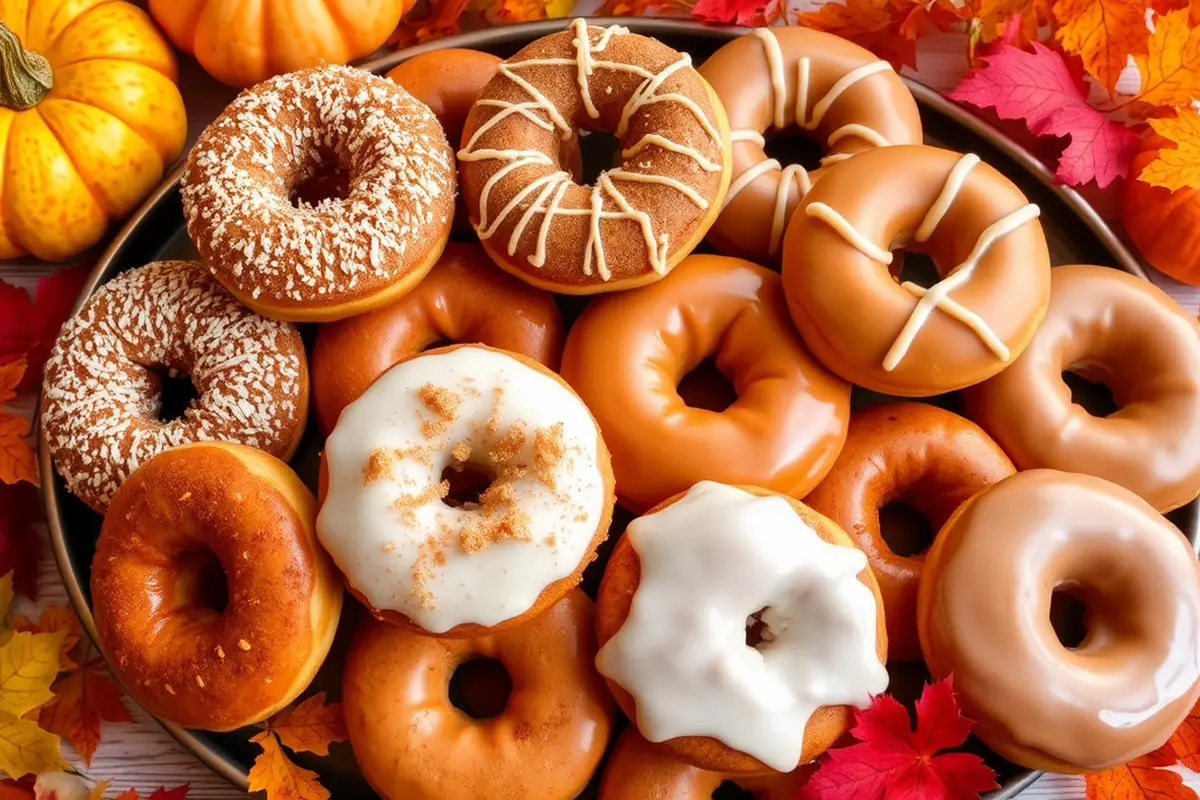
(1076, 235)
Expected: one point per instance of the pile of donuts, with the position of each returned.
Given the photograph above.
(476, 443)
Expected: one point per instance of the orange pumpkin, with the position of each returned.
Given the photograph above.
(1164, 225)
(243, 42)
(89, 118)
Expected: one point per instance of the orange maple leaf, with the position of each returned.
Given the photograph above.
(873, 24)
(1170, 69)
(1186, 741)
(440, 20)
(1179, 166)
(1103, 33)
(1140, 779)
(53, 619)
(277, 775)
(84, 699)
(10, 377)
(1016, 21)
(311, 726)
(17, 462)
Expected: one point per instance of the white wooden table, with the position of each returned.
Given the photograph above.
(141, 754)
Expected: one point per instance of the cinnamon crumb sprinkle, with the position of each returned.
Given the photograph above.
(184, 496)
(389, 547)
(548, 452)
(381, 460)
(407, 504)
(509, 446)
(493, 422)
(443, 403)
(461, 452)
(200, 681)
(243, 644)
(167, 686)
(220, 652)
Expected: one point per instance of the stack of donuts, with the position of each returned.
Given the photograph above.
(479, 429)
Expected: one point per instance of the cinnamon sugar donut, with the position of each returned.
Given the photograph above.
(780, 80)
(639, 219)
(101, 396)
(463, 299)
(343, 256)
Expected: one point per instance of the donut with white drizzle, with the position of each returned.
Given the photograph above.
(784, 80)
(898, 337)
(639, 219)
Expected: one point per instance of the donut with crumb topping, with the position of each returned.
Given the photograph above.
(102, 395)
(296, 261)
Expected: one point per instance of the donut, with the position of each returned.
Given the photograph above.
(1108, 326)
(342, 256)
(628, 352)
(448, 82)
(199, 650)
(463, 299)
(639, 219)
(984, 613)
(413, 744)
(841, 95)
(923, 457)
(101, 397)
(681, 590)
(638, 770)
(900, 338)
(471, 566)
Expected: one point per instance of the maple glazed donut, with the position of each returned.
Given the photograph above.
(463, 299)
(984, 613)
(785, 79)
(928, 459)
(628, 352)
(1108, 326)
(216, 663)
(413, 744)
(900, 338)
(413, 553)
(448, 82)
(101, 397)
(342, 256)
(679, 592)
(639, 219)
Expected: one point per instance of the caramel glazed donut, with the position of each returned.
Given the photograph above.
(900, 338)
(841, 95)
(984, 614)
(340, 257)
(639, 219)
(478, 567)
(101, 396)
(1108, 326)
(677, 596)
(180, 657)
(413, 744)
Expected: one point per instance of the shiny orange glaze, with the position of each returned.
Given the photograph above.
(463, 299)
(412, 744)
(627, 353)
(448, 81)
(923, 456)
(179, 658)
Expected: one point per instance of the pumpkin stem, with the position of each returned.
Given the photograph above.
(25, 76)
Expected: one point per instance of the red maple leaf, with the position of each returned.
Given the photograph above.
(743, 12)
(892, 760)
(1039, 88)
(178, 793)
(20, 544)
(29, 326)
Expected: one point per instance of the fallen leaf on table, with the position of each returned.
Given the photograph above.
(29, 326)
(178, 793)
(83, 701)
(10, 378)
(99, 789)
(1170, 69)
(20, 544)
(1038, 87)
(25, 748)
(1185, 742)
(1014, 22)
(277, 775)
(440, 20)
(28, 665)
(888, 28)
(894, 759)
(1104, 33)
(55, 618)
(311, 726)
(1140, 779)
(1178, 166)
(6, 595)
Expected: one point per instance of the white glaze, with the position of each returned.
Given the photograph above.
(710, 561)
(377, 545)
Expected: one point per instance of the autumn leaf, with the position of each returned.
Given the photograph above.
(28, 665)
(1185, 742)
(28, 327)
(868, 23)
(1140, 779)
(20, 545)
(1104, 33)
(17, 462)
(311, 726)
(99, 789)
(441, 20)
(1038, 87)
(1170, 70)
(25, 748)
(1179, 166)
(741, 12)
(276, 774)
(10, 378)
(55, 618)
(83, 700)
(178, 793)
(6, 594)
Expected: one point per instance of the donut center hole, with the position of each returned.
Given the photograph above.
(794, 148)
(599, 151)
(436, 343)
(480, 688)
(202, 582)
(176, 395)
(1094, 396)
(758, 633)
(728, 790)
(468, 480)
(329, 182)
(1068, 617)
(905, 531)
(918, 268)
(706, 387)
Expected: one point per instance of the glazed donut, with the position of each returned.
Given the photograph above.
(483, 566)
(340, 257)
(463, 299)
(448, 82)
(639, 219)
(900, 338)
(840, 94)
(984, 614)
(678, 594)
(638, 770)
(924, 457)
(412, 744)
(1124, 331)
(216, 663)
(102, 392)
(627, 353)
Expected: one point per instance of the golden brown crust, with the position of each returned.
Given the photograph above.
(178, 657)
(622, 574)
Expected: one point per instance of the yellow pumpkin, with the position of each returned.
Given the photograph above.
(89, 118)
(243, 42)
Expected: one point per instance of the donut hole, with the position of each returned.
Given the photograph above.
(728, 790)
(480, 688)
(790, 147)
(327, 181)
(758, 633)
(202, 583)
(906, 531)
(706, 387)
(1094, 396)
(1068, 616)
(918, 268)
(598, 151)
(437, 343)
(468, 480)
(176, 394)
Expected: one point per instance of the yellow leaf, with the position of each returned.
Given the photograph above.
(1104, 33)
(1179, 166)
(274, 773)
(6, 594)
(559, 8)
(1170, 69)
(28, 665)
(311, 726)
(55, 618)
(25, 748)
(99, 789)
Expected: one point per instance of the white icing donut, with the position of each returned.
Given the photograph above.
(709, 562)
(402, 548)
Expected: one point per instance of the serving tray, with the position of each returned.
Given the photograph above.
(1075, 232)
